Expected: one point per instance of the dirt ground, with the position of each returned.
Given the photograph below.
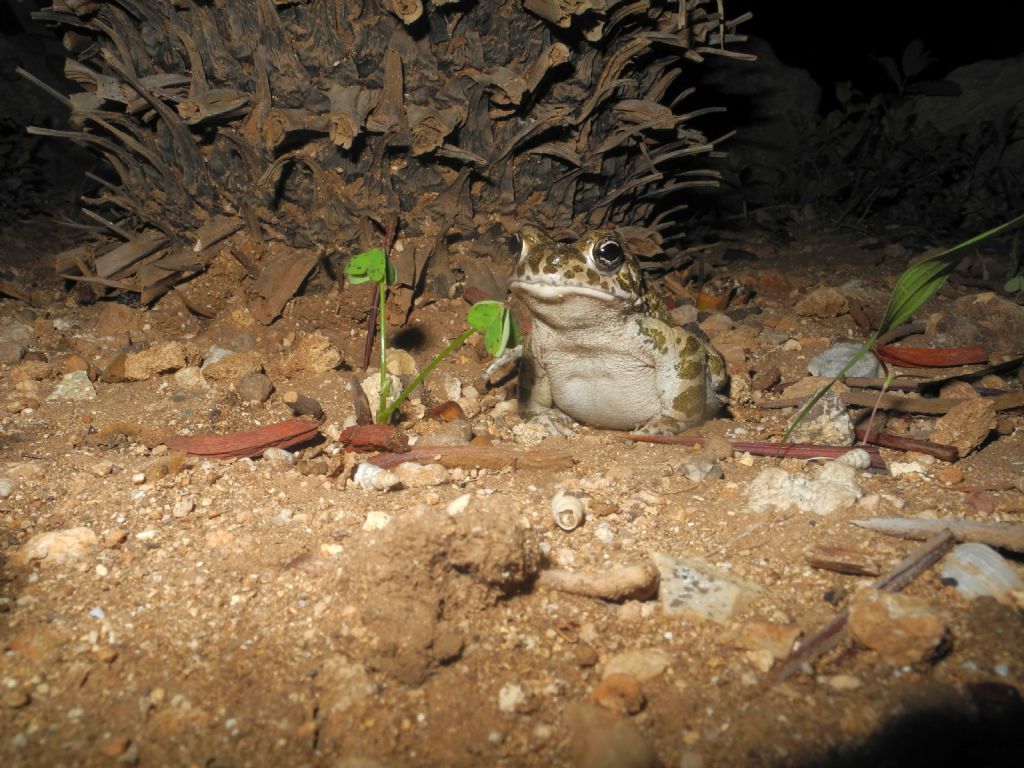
(269, 611)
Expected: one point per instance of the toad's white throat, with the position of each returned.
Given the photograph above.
(561, 291)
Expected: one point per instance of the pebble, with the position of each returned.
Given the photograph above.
(342, 684)
(254, 387)
(843, 682)
(279, 456)
(401, 363)
(158, 359)
(16, 332)
(690, 587)
(776, 639)
(639, 664)
(190, 377)
(414, 475)
(619, 693)
(835, 488)
(824, 303)
(228, 366)
(602, 739)
(316, 354)
(965, 425)
(830, 362)
(16, 698)
(6, 487)
(54, 546)
(138, 478)
(828, 422)
(977, 570)
(11, 351)
(903, 629)
(376, 520)
(511, 697)
(74, 386)
(182, 508)
(701, 467)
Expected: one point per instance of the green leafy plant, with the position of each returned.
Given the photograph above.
(915, 286)
(491, 318)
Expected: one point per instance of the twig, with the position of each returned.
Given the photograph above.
(903, 443)
(1003, 535)
(826, 638)
(627, 582)
(759, 448)
(476, 456)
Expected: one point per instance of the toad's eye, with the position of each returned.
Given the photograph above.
(608, 255)
(515, 245)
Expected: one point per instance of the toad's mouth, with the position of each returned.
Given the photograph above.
(556, 292)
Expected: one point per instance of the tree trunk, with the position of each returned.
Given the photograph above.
(316, 122)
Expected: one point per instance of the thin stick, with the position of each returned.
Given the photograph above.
(826, 638)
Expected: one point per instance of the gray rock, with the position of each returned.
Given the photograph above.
(980, 571)
(73, 386)
(16, 332)
(827, 423)
(254, 387)
(693, 588)
(11, 351)
(640, 664)
(836, 488)
(831, 361)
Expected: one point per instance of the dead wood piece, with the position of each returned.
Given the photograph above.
(216, 104)
(407, 10)
(477, 457)
(759, 448)
(1003, 535)
(350, 104)
(375, 437)
(930, 405)
(215, 230)
(32, 297)
(628, 582)
(124, 256)
(279, 123)
(902, 443)
(279, 281)
(826, 638)
(922, 357)
(303, 405)
(841, 560)
(285, 434)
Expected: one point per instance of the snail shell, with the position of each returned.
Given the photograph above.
(567, 510)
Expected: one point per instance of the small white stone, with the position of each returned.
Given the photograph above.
(376, 520)
(139, 478)
(101, 569)
(510, 697)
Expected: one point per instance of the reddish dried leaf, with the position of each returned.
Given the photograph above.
(374, 437)
(247, 444)
(919, 357)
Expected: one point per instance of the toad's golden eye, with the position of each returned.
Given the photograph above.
(608, 255)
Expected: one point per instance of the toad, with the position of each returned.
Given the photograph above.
(603, 350)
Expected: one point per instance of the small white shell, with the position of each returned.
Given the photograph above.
(372, 478)
(857, 458)
(567, 510)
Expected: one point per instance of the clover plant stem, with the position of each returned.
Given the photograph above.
(382, 413)
(387, 413)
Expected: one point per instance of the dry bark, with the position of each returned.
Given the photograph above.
(311, 119)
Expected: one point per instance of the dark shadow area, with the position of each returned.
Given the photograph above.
(982, 729)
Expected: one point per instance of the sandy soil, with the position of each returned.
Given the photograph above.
(260, 612)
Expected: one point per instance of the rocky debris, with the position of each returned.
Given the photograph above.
(512, 698)
(966, 425)
(314, 354)
(695, 589)
(11, 351)
(191, 378)
(31, 370)
(602, 739)
(775, 639)
(619, 693)
(254, 387)
(701, 467)
(118, 321)
(822, 303)
(640, 664)
(830, 362)
(828, 422)
(414, 475)
(73, 387)
(166, 357)
(17, 332)
(903, 629)
(224, 366)
(409, 606)
(985, 318)
(442, 433)
(977, 570)
(835, 488)
(55, 546)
